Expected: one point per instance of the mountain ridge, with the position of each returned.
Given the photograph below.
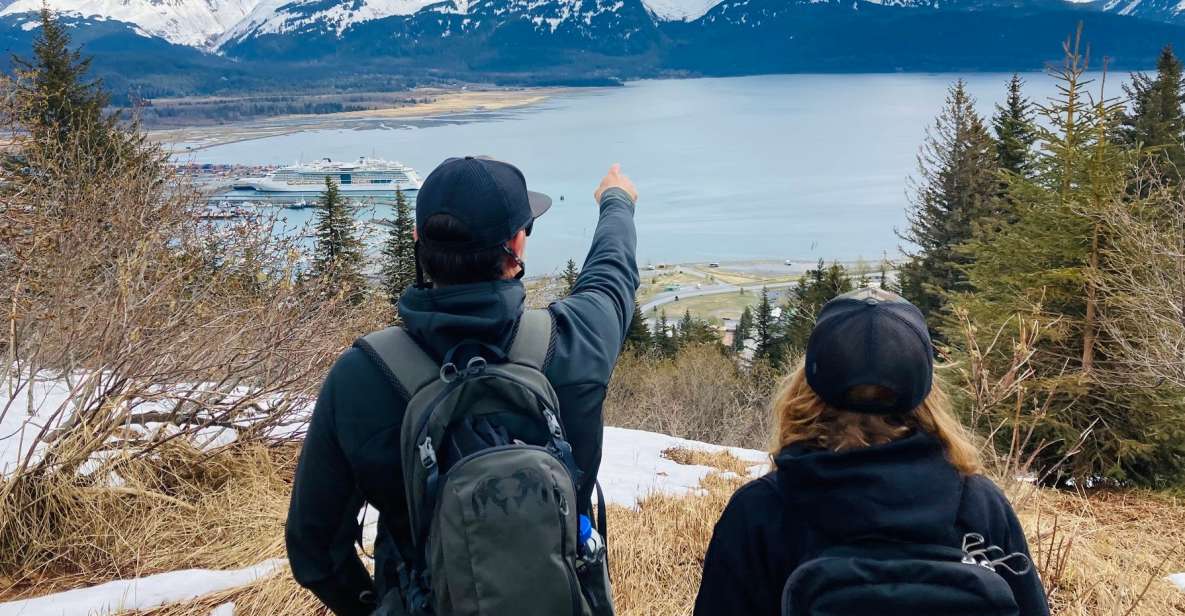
(358, 44)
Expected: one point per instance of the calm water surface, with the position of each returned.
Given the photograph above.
(771, 167)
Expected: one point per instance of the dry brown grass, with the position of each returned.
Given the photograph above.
(163, 519)
(1107, 552)
(723, 459)
(1098, 553)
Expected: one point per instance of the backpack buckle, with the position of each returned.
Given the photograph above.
(427, 453)
(553, 424)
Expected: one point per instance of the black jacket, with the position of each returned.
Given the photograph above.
(351, 452)
(905, 490)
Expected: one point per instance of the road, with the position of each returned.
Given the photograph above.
(668, 297)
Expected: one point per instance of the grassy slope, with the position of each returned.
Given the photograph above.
(1098, 554)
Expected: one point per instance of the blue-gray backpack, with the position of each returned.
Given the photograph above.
(880, 577)
(489, 476)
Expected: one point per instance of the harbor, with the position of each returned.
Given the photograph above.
(364, 181)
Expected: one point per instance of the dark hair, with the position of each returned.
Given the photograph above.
(448, 267)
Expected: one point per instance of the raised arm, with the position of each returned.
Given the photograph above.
(598, 311)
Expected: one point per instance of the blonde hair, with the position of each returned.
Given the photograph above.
(801, 416)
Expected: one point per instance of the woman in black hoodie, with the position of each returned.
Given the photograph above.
(866, 447)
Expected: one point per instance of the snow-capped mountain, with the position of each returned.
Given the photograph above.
(280, 16)
(222, 24)
(1160, 10)
(264, 44)
(185, 22)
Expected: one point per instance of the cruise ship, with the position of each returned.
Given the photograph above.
(366, 179)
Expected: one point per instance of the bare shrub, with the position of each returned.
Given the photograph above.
(700, 394)
(1145, 283)
(164, 336)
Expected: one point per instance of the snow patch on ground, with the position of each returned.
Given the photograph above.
(632, 465)
(23, 416)
(1178, 579)
(141, 593)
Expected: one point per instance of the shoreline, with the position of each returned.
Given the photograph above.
(444, 103)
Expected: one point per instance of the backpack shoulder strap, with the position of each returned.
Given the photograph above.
(406, 365)
(532, 342)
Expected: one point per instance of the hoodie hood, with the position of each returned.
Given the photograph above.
(441, 318)
(904, 490)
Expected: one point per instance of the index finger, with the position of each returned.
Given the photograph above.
(615, 169)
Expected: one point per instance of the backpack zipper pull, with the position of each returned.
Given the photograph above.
(427, 453)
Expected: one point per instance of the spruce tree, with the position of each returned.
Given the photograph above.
(814, 289)
(57, 78)
(666, 342)
(337, 261)
(62, 108)
(743, 331)
(1045, 268)
(1156, 120)
(1015, 132)
(955, 192)
(766, 332)
(571, 273)
(399, 254)
(638, 336)
(693, 331)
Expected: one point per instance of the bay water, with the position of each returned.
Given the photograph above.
(773, 167)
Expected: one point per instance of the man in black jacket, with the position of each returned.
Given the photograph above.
(351, 452)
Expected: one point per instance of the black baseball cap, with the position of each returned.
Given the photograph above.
(871, 337)
(488, 197)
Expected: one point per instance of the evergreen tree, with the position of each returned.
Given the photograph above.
(571, 273)
(766, 332)
(57, 78)
(62, 108)
(638, 337)
(743, 331)
(695, 331)
(1045, 268)
(337, 262)
(666, 343)
(399, 252)
(955, 192)
(1156, 119)
(814, 289)
(1015, 132)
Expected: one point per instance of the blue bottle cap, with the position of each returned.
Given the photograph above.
(585, 528)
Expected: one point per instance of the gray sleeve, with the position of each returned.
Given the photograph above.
(594, 319)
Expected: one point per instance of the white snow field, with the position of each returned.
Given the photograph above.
(632, 467)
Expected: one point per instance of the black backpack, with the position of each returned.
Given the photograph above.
(490, 481)
(874, 576)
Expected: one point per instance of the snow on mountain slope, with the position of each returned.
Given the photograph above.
(679, 10)
(185, 22)
(1172, 11)
(279, 16)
